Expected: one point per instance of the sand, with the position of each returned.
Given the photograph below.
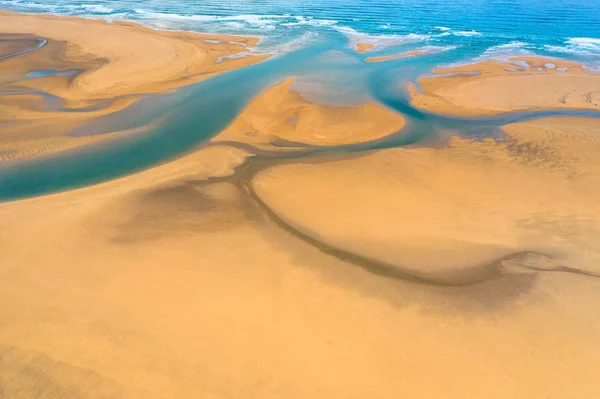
(363, 47)
(497, 88)
(280, 116)
(109, 61)
(395, 56)
(445, 214)
(173, 283)
(468, 270)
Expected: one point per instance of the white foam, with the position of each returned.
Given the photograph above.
(379, 41)
(97, 8)
(442, 28)
(466, 33)
(310, 21)
(577, 46)
(505, 51)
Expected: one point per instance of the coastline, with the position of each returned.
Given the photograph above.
(272, 261)
(110, 61)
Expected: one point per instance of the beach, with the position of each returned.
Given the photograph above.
(438, 244)
(107, 68)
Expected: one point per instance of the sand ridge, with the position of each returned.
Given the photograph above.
(488, 88)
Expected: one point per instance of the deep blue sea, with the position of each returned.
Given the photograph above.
(314, 41)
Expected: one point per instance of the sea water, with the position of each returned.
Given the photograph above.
(313, 41)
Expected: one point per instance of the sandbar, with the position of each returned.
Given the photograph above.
(281, 115)
(363, 47)
(395, 56)
(488, 88)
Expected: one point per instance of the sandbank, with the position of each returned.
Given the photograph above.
(280, 115)
(496, 87)
(98, 63)
(394, 56)
(363, 47)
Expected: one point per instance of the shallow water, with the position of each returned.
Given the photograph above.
(327, 69)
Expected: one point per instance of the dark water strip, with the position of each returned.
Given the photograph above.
(41, 43)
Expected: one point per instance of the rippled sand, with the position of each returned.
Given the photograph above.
(112, 64)
(493, 88)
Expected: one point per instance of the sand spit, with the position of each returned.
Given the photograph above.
(90, 63)
(488, 88)
(280, 115)
(363, 47)
(395, 56)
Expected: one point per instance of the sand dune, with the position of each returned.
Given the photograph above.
(97, 62)
(279, 115)
(505, 87)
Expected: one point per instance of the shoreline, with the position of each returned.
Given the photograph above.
(111, 62)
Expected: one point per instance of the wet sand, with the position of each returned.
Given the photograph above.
(110, 64)
(489, 88)
(394, 56)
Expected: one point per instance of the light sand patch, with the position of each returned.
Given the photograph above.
(505, 87)
(395, 56)
(446, 213)
(164, 285)
(363, 47)
(280, 114)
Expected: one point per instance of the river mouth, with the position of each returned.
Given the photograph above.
(175, 124)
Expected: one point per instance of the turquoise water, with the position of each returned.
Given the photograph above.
(313, 41)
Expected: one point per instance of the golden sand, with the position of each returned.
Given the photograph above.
(280, 115)
(363, 47)
(173, 283)
(113, 60)
(445, 213)
(505, 87)
(395, 56)
(462, 271)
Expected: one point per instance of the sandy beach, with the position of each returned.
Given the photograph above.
(488, 88)
(128, 291)
(110, 64)
(280, 258)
